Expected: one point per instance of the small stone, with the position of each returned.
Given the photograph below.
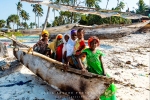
(117, 73)
(128, 62)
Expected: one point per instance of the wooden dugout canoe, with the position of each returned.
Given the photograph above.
(101, 31)
(80, 86)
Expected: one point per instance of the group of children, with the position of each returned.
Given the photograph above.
(72, 50)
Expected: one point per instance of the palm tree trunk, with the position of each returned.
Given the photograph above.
(45, 24)
(17, 22)
(117, 3)
(107, 4)
(38, 21)
(54, 14)
(72, 14)
(13, 26)
(35, 21)
(48, 11)
(72, 17)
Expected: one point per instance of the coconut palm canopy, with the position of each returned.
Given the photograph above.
(86, 10)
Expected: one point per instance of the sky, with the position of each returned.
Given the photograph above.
(9, 7)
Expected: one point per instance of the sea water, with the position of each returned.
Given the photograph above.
(28, 40)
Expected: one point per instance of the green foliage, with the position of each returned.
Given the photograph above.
(9, 34)
(92, 3)
(2, 23)
(142, 8)
(37, 9)
(66, 18)
(120, 6)
(32, 24)
(95, 19)
(14, 33)
(12, 19)
(25, 25)
(19, 6)
(47, 25)
(25, 16)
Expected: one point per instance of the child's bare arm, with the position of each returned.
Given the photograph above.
(100, 58)
(79, 60)
(64, 56)
(80, 49)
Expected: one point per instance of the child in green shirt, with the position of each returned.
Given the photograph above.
(95, 65)
(93, 57)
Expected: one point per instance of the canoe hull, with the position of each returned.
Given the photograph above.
(84, 87)
(101, 31)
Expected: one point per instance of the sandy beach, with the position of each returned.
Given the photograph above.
(126, 59)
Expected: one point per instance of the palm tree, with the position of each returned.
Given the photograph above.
(107, 4)
(39, 12)
(120, 6)
(142, 7)
(25, 25)
(19, 7)
(32, 24)
(35, 11)
(92, 3)
(25, 16)
(22, 13)
(13, 19)
(54, 1)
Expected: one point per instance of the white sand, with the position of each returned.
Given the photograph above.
(134, 48)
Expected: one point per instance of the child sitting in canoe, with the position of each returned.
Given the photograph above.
(70, 47)
(79, 47)
(41, 45)
(53, 45)
(80, 44)
(95, 65)
(60, 50)
(64, 52)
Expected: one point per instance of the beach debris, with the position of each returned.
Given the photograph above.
(117, 73)
(4, 65)
(3, 50)
(18, 83)
(128, 62)
(132, 67)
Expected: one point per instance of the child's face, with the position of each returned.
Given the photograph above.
(59, 38)
(94, 44)
(66, 38)
(80, 35)
(45, 36)
(74, 36)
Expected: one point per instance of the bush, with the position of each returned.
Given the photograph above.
(9, 34)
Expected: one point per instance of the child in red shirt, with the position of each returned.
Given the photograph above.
(80, 44)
